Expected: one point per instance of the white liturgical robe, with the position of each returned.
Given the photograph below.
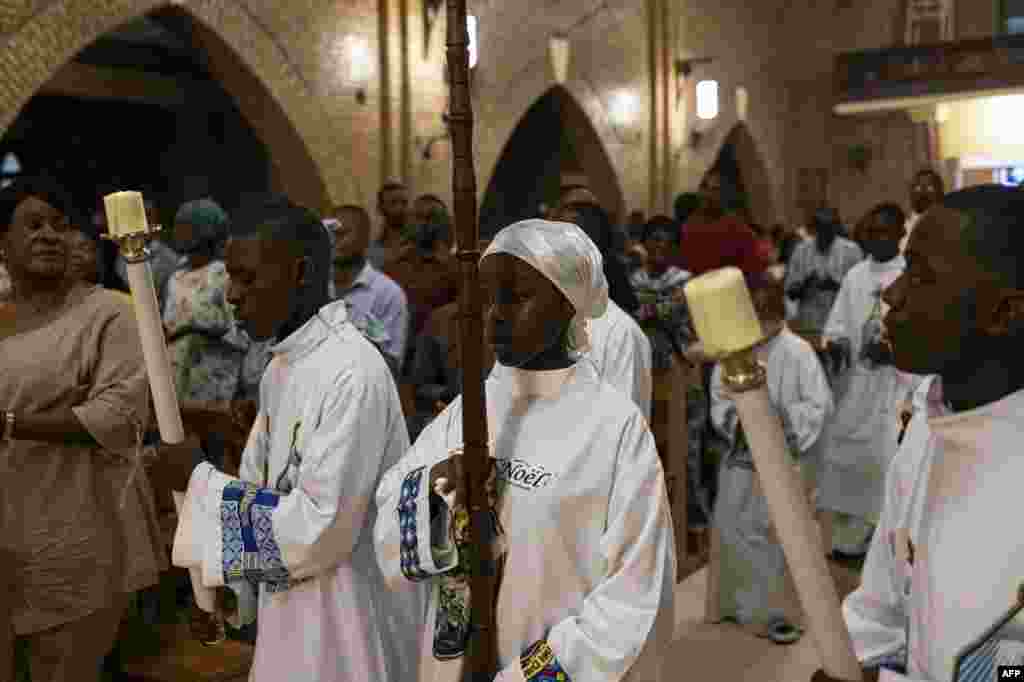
(622, 354)
(753, 566)
(296, 525)
(965, 569)
(861, 440)
(584, 535)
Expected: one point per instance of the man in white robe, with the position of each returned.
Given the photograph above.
(621, 354)
(876, 611)
(620, 351)
(816, 271)
(862, 438)
(956, 312)
(753, 566)
(291, 536)
(585, 543)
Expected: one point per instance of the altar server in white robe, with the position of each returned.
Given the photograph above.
(958, 312)
(876, 612)
(291, 537)
(621, 354)
(587, 562)
(861, 439)
(753, 567)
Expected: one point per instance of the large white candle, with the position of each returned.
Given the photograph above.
(725, 320)
(126, 215)
(722, 312)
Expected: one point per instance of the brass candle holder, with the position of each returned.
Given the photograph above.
(134, 246)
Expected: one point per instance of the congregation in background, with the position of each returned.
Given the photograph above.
(390, 295)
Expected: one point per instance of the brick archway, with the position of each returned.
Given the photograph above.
(248, 61)
(531, 165)
(741, 147)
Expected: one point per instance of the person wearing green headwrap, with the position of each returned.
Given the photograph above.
(205, 344)
(200, 230)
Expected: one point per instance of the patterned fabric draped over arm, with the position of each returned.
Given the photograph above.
(268, 536)
(410, 544)
(602, 642)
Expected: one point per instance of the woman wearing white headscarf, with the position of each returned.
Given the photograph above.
(586, 557)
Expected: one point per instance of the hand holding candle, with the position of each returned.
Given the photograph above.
(726, 323)
(126, 220)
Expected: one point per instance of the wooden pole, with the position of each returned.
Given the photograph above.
(482, 649)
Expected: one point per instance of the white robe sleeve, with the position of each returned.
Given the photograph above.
(260, 535)
(797, 270)
(626, 364)
(840, 318)
(602, 642)
(805, 412)
(875, 612)
(409, 544)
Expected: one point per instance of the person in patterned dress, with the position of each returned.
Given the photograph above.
(665, 318)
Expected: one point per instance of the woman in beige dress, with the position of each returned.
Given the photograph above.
(78, 522)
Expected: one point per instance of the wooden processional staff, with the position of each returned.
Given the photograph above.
(482, 649)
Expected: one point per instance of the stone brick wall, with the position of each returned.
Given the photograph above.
(328, 148)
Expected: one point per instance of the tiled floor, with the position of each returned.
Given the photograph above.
(726, 652)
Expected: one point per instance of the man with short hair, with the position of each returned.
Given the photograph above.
(370, 292)
(426, 269)
(393, 205)
(290, 536)
(817, 269)
(712, 239)
(862, 439)
(926, 190)
(946, 562)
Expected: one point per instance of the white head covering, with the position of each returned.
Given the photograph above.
(564, 254)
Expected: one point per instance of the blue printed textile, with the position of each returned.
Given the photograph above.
(411, 568)
(250, 551)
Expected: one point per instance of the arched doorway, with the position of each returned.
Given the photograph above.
(254, 78)
(746, 185)
(554, 143)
